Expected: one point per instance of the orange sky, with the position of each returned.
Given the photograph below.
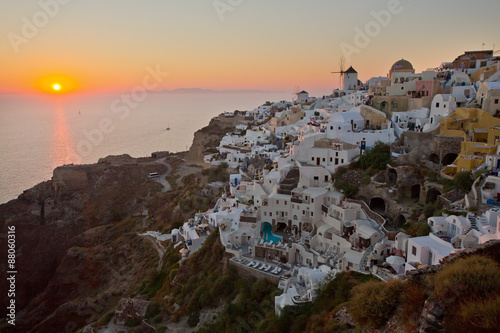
(254, 45)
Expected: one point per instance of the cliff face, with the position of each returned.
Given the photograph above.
(209, 137)
(73, 243)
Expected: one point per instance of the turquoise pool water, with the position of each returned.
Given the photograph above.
(267, 230)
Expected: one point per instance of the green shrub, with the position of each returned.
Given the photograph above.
(418, 229)
(367, 179)
(463, 180)
(339, 172)
(429, 210)
(376, 158)
(350, 190)
(162, 329)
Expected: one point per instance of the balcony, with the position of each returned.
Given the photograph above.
(306, 219)
(282, 219)
(296, 200)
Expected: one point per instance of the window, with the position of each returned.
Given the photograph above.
(277, 202)
(286, 203)
(312, 159)
(326, 178)
(312, 213)
(496, 101)
(270, 213)
(324, 159)
(331, 159)
(316, 178)
(312, 200)
(437, 105)
(331, 127)
(414, 250)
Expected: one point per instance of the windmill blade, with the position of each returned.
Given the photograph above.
(296, 92)
(342, 64)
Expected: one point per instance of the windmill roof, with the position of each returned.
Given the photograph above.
(350, 70)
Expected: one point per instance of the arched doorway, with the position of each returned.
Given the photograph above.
(434, 158)
(377, 204)
(415, 191)
(281, 227)
(449, 158)
(432, 195)
(383, 106)
(399, 221)
(392, 177)
(245, 239)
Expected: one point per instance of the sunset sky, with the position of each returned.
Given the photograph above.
(248, 44)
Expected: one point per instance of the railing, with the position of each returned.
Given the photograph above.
(281, 219)
(306, 219)
(296, 200)
(379, 219)
(248, 219)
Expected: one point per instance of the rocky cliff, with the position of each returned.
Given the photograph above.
(76, 243)
(206, 139)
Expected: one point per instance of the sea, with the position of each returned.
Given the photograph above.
(39, 133)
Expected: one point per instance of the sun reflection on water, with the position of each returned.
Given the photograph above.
(62, 143)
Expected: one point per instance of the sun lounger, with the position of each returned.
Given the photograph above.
(251, 263)
(268, 268)
(261, 267)
(277, 271)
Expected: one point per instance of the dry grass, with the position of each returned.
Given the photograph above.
(374, 302)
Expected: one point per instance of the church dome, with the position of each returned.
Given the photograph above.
(402, 65)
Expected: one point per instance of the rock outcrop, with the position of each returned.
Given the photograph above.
(75, 244)
(209, 137)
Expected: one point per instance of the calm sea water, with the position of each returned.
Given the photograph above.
(38, 134)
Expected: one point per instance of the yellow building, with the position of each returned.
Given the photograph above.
(481, 133)
(286, 118)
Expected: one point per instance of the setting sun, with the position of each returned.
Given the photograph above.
(56, 84)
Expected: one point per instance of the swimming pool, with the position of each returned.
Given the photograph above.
(267, 230)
